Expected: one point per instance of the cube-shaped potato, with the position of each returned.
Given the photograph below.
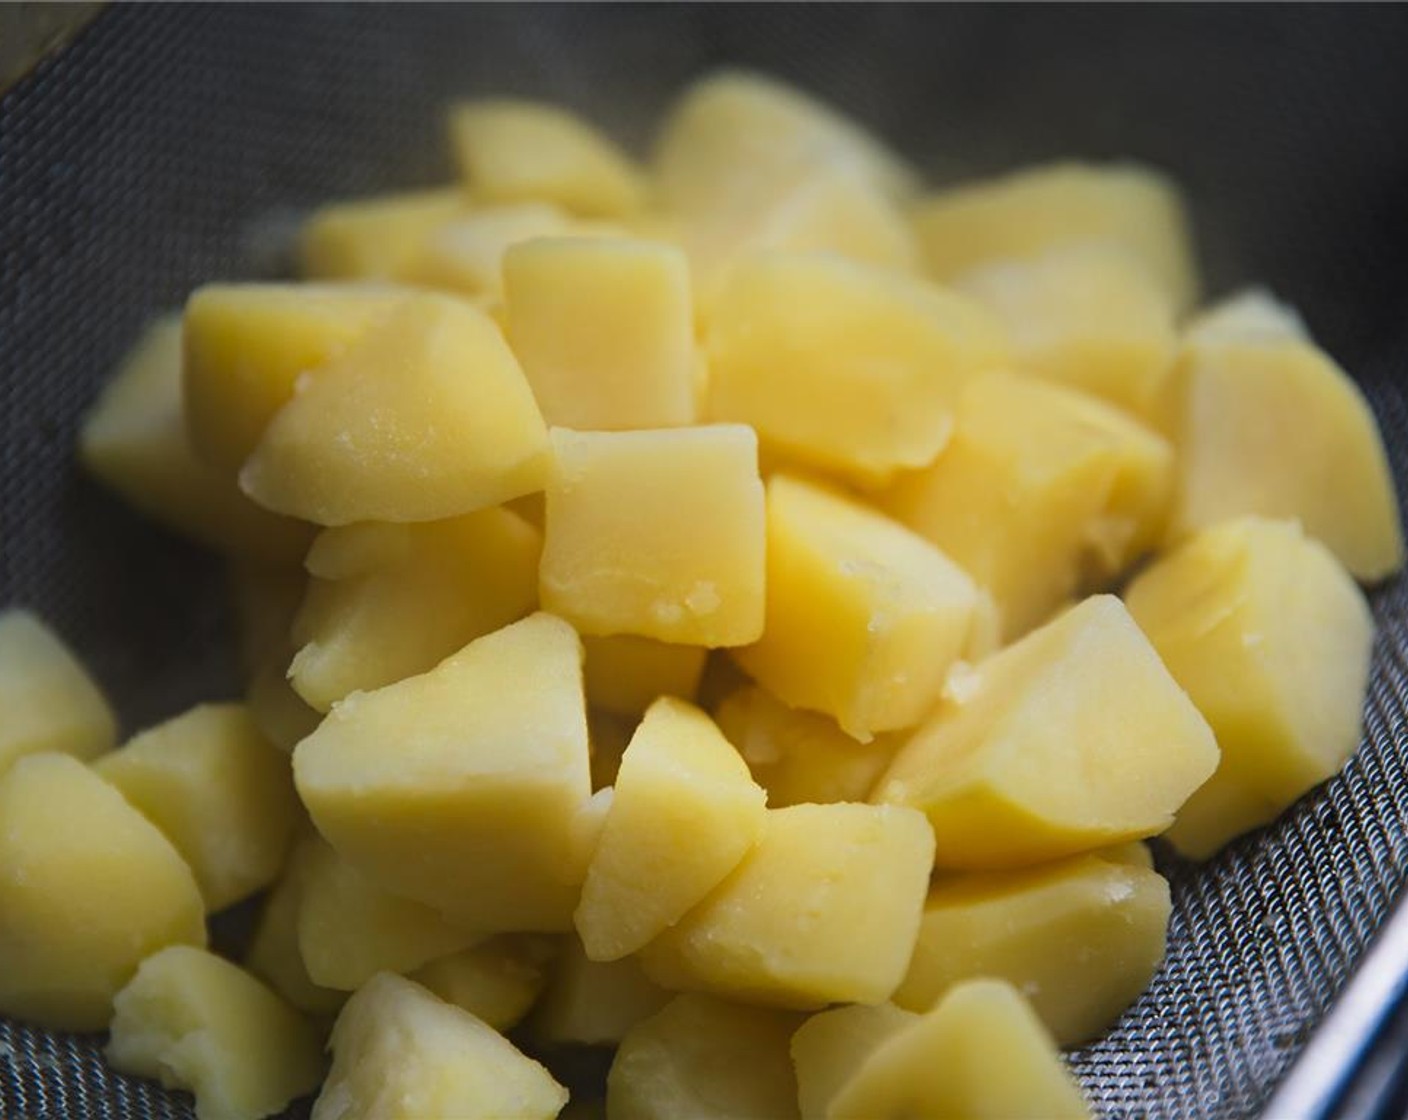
(459, 788)
(400, 1052)
(824, 910)
(219, 790)
(427, 416)
(1074, 738)
(656, 533)
(684, 814)
(88, 888)
(274, 954)
(844, 367)
(1026, 213)
(1080, 938)
(467, 254)
(390, 601)
(1271, 638)
(195, 1021)
(830, 1048)
(604, 329)
(497, 981)
(625, 675)
(594, 1003)
(375, 238)
(49, 700)
(864, 617)
(517, 151)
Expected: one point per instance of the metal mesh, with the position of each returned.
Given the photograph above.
(167, 145)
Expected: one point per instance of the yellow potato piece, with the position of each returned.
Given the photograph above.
(684, 814)
(656, 533)
(625, 675)
(864, 617)
(1272, 639)
(198, 1022)
(823, 910)
(497, 981)
(428, 416)
(830, 1048)
(467, 254)
(400, 1053)
(1074, 738)
(220, 792)
(458, 788)
(375, 238)
(594, 1003)
(88, 888)
(49, 700)
(844, 367)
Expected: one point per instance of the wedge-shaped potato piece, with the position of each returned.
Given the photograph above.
(1080, 938)
(705, 1059)
(426, 417)
(1271, 638)
(195, 1021)
(400, 1053)
(594, 1003)
(467, 254)
(390, 601)
(980, 1052)
(823, 910)
(844, 367)
(1073, 738)
(1022, 215)
(88, 888)
(49, 700)
(274, 953)
(516, 151)
(604, 328)
(497, 981)
(220, 792)
(375, 238)
(830, 1048)
(684, 815)
(1040, 486)
(864, 617)
(459, 787)
(625, 675)
(657, 533)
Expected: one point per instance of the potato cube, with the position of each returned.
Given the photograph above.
(400, 1053)
(824, 910)
(684, 814)
(705, 1059)
(375, 238)
(656, 533)
(428, 416)
(594, 1003)
(830, 1048)
(467, 254)
(274, 953)
(844, 367)
(1080, 938)
(497, 981)
(1073, 738)
(864, 617)
(1271, 639)
(220, 792)
(198, 1022)
(49, 700)
(88, 888)
(459, 787)
(625, 675)
(604, 328)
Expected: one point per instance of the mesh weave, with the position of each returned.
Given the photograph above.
(168, 146)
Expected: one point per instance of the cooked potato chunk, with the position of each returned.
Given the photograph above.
(274, 953)
(375, 238)
(467, 254)
(198, 1022)
(1271, 639)
(830, 1048)
(594, 1003)
(625, 675)
(497, 981)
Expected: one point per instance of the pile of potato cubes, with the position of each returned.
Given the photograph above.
(676, 610)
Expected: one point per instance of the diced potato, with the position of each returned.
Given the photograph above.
(274, 953)
(1271, 639)
(516, 151)
(265, 601)
(981, 1052)
(134, 441)
(50, 703)
(864, 617)
(198, 1022)
(497, 981)
(1021, 215)
(830, 1048)
(454, 430)
(220, 792)
(399, 1053)
(824, 910)
(1080, 939)
(594, 1003)
(801, 757)
(625, 675)
(604, 328)
(684, 814)
(88, 889)
(282, 716)
(458, 788)
(375, 238)
(1073, 738)
(707, 1060)
(845, 367)
(656, 533)
(396, 600)
(467, 254)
